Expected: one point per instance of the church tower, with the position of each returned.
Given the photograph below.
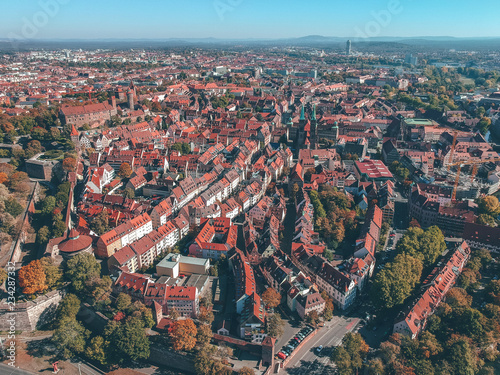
(301, 132)
(314, 129)
(335, 130)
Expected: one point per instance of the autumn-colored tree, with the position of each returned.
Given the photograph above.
(458, 297)
(183, 335)
(6, 168)
(414, 223)
(3, 276)
(295, 189)
(156, 107)
(7, 127)
(328, 311)
(17, 178)
(69, 164)
(489, 205)
(125, 170)
(271, 298)
(206, 315)
(174, 314)
(246, 371)
(32, 278)
(312, 318)
(3, 177)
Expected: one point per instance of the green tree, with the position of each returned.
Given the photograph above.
(128, 340)
(183, 148)
(58, 228)
(275, 325)
(123, 301)
(129, 193)
(43, 235)
(204, 334)
(426, 246)
(342, 360)
(484, 125)
(295, 189)
(97, 350)
(81, 268)
(100, 224)
(396, 281)
(68, 308)
(70, 337)
(461, 357)
(53, 273)
(13, 207)
(485, 219)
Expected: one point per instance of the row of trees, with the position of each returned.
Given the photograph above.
(49, 219)
(417, 250)
(461, 337)
(426, 246)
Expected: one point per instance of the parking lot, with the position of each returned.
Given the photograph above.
(311, 360)
(288, 348)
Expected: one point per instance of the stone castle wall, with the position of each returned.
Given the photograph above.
(33, 314)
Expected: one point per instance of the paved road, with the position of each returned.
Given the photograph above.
(306, 361)
(8, 370)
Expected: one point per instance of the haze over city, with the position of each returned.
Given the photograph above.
(245, 19)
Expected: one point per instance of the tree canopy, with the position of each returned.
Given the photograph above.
(396, 282)
(271, 298)
(275, 325)
(80, 269)
(32, 278)
(426, 246)
(183, 335)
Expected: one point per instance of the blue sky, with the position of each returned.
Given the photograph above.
(246, 18)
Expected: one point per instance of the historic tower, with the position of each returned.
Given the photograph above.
(314, 130)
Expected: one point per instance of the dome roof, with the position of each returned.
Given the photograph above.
(75, 242)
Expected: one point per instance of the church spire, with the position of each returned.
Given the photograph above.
(302, 114)
(314, 113)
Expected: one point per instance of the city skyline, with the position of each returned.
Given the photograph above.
(240, 19)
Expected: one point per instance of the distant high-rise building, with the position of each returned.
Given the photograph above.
(348, 48)
(410, 59)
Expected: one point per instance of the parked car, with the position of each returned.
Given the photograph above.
(281, 355)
